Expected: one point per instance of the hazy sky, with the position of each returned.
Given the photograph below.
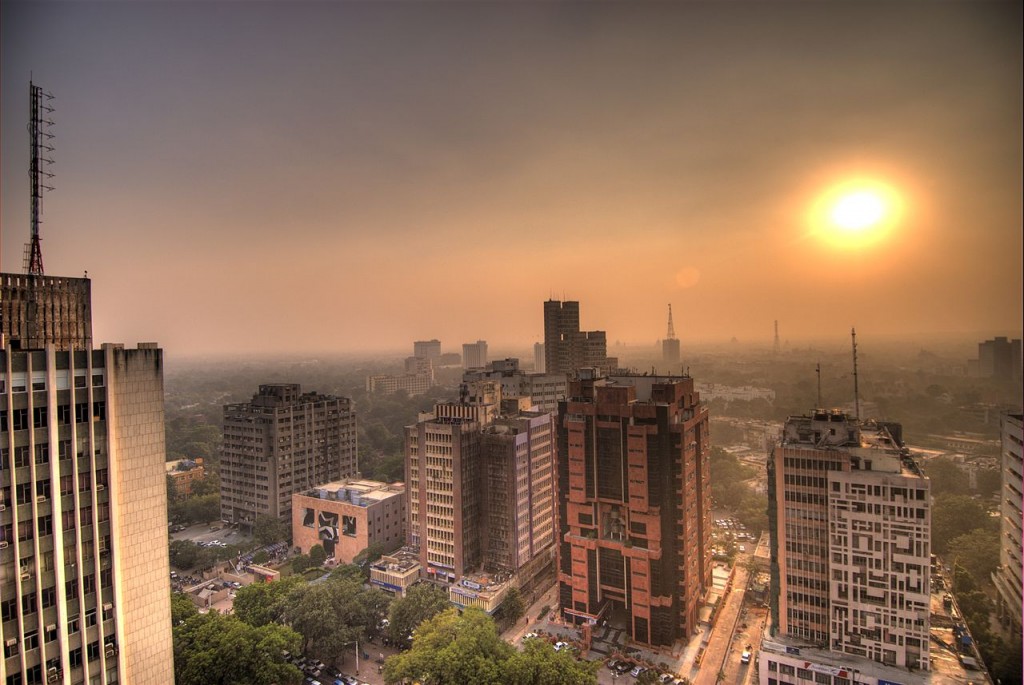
(289, 176)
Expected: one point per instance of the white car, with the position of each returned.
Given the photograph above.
(745, 657)
(559, 646)
(637, 671)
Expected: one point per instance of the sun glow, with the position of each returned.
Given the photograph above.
(856, 214)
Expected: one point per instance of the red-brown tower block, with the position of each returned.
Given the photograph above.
(634, 504)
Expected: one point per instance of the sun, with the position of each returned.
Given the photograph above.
(856, 213)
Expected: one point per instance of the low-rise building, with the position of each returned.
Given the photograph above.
(348, 516)
(395, 573)
(183, 473)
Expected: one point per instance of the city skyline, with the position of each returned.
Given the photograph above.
(231, 169)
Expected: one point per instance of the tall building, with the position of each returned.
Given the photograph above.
(1008, 580)
(474, 355)
(997, 358)
(670, 345)
(566, 348)
(634, 517)
(83, 508)
(851, 540)
(280, 443)
(480, 486)
(538, 358)
(427, 349)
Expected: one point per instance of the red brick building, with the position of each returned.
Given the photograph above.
(634, 504)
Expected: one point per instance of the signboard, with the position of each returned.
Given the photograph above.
(830, 670)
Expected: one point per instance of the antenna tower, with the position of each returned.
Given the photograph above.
(776, 347)
(856, 390)
(671, 328)
(39, 174)
(817, 370)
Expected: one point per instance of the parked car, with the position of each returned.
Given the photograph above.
(638, 671)
(745, 657)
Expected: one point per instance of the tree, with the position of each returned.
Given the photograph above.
(261, 603)
(331, 614)
(946, 477)
(953, 516)
(372, 553)
(977, 552)
(540, 664)
(317, 555)
(301, 563)
(216, 649)
(422, 601)
(269, 529)
(449, 649)
(182, 608)
(512, 607)
(648, 677)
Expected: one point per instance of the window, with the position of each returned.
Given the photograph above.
(23, 493)
(45, 525)
(75, 658)
(49, 596)
(39, 417)
(90, 617)
(22, 456)
(51, 633)
(63, 414)
(8, 610)
(42, 454)
(73, 624)
(64, 450)
(28, 603)
(43, 488)
(81, 411)
(11, 650)
(20, 417)
(99, 411)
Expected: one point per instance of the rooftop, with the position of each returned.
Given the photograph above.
(357, 491)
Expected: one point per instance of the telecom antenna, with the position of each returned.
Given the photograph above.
(817, 370)
(671, 328)
(776, 348)
(39, 136)
(856, 390)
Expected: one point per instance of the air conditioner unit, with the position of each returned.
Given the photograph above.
(52, 677)
(11, 642)
(3, 507)
(3, 544)
(41, 498)
(50, 628)
(109, 651)
(101, 486)
(25, 576)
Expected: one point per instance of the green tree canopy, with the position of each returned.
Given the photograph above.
(317, 555)
(512, 607)
(182, 608)
(332, 614)
(540, 664)
(956, 515)
(269, 529)
(215, 649)
(422, 601)
(261, 603)
(977, 552)
(450, 649)
(946, 477)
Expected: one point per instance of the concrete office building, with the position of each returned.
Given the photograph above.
(474, 355)
(1007, 578)
(851, 541)
(998, 358)
(538, 358)
(83, 508)
(542, 390)
(427, 349)
(634, 516)
(480, 487)
(280, 443)
(347, 516)
(566, 348)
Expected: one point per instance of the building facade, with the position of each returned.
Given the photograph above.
(474, 355)
(83, 499)
(566, 347)
(634, 516)
(542, 390)
(281, 443)
(850, 520)
(1008, 579)
(427, 349)
(481, 491)
(36, 310)
(347, 516)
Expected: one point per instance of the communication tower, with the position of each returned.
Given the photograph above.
(40, 135)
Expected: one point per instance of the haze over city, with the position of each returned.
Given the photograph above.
(310, 177)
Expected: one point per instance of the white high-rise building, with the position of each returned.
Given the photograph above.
(1007, 577)
(83, 497)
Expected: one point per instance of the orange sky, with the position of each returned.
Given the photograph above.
(291, 177)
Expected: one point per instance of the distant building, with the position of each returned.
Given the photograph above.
(418, 378)
(347, 516)
(730, 393)
(83, 508)
(543, 390)
(183, 473)
(538, 358)
(566, 348)
(851, 541)
(280, 443)
(474, 355)
(1007, 578)
(634, 517)
(997, 358)
(427, 349)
